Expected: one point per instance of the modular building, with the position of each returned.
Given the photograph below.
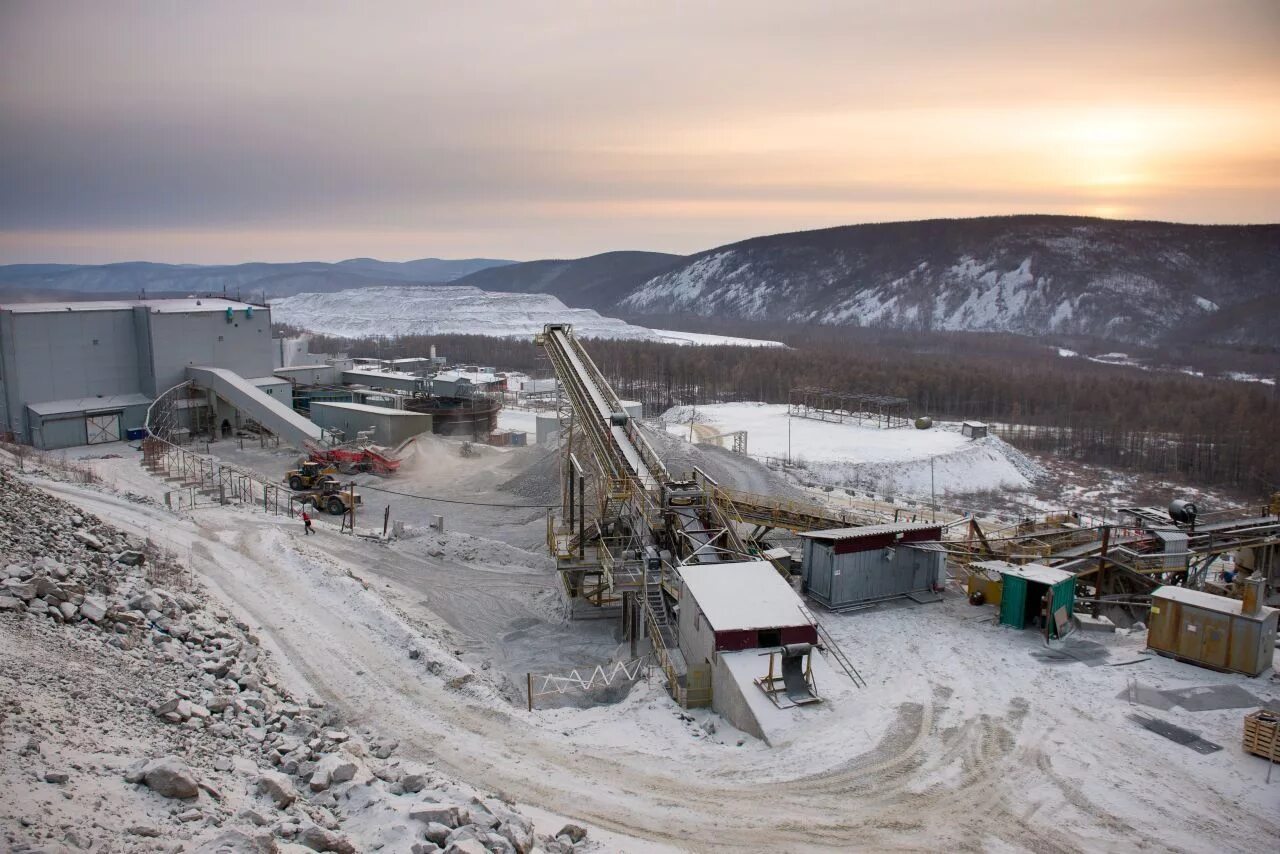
(1213, 631)
(1033, 595)
(973, 429)
(846, 567)
(82, 372)
(390, 426)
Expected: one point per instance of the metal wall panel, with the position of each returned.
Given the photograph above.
(1013, 601)
(58, 432)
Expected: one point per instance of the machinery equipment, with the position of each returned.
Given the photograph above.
(309, 475)
(331, 497)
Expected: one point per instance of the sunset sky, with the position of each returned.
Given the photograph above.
(233, 131)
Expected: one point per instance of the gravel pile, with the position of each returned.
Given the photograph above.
(142, 717)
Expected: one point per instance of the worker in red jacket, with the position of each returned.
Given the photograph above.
(306, 522)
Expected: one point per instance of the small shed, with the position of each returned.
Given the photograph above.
(740, 605)
(844, 567)
(973, 429)
(1033, 594)
(1213, 631)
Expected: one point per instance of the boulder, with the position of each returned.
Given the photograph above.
(93, 609)
(321, 839)
(169, 776)
(437, 832)
(88, 539)
(9, 603)
(466, 846)
(237, 841)
(575, 833)
(278, 788)
(332, 769)
(429, 811)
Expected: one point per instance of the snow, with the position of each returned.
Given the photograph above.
(1067, 354)
(1207, 305)
(743, 595)
(522, 420)
(1209, 601)
(905, 460)
(1242, 377)
(457, 310)
(960, 716)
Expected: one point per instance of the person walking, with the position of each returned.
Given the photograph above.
(306, 521)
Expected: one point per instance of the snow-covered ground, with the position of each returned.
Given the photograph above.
(967, 737)
(457, 310)
(898, 461)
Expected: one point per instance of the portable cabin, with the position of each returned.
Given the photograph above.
(973, 430)
(1213, 631)
(1033, 595)
(740, 605)
(844, 567)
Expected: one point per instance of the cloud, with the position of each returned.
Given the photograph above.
(519, 129)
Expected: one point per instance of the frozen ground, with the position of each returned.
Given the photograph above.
(965, 738)
(901, 461)
(461, 310)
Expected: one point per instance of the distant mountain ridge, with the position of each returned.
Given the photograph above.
(250, 279)
(1129, 281)
(1141, 282)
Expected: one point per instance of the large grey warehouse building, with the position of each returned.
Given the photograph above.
(76, 373)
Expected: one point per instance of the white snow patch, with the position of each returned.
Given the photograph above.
(459, 310)
(898, 461)
(1207, 305)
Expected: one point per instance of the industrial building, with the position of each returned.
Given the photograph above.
(74, 373)
(847, 567)
(384, 426)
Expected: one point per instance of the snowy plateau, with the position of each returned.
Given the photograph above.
(461, 310)
(902, 461)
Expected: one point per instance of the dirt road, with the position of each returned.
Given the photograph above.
(910, 764)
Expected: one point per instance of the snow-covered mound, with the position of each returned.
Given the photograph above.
(459, 310)
(902, 461)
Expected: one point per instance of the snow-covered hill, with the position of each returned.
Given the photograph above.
(1128, 281)
(458, 310)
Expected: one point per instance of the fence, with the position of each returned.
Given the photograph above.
(601, 676)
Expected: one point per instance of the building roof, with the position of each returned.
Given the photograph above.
(1037, 572)
(743, 595)
(157, 306)
(871, 530)
(88, 404)
(364, 407)
(474, 377)
(381, 375)
(1209, 601)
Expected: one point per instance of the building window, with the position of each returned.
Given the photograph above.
(219, 337)
(95, 342)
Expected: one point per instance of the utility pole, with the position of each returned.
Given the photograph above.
(933, 492)
(788, 434)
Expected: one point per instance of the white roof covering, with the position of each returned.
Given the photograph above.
(364, 407)
(376, 374)
(743, 595)
(88, 404)
(869, 530)
(1037, 573)
(160, 306)
(475, 377)
(1209, 601)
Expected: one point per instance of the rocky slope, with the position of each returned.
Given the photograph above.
(136, 714)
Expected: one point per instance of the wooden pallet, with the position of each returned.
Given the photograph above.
(1262, 734)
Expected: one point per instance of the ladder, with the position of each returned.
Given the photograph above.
(830, 645)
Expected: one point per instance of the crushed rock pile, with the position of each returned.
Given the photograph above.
(135, 717)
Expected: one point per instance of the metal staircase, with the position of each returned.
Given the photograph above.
(829, 644)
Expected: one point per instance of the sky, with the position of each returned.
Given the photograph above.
(232, 131)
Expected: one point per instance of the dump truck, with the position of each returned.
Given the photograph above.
(310, 474)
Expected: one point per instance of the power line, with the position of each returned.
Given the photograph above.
(459, 501)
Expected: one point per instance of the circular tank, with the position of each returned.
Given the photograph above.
(924, 422)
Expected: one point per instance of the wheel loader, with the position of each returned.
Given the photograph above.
(331, 497)
(309, 475)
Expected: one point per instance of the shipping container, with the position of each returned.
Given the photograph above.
(1212, 631)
